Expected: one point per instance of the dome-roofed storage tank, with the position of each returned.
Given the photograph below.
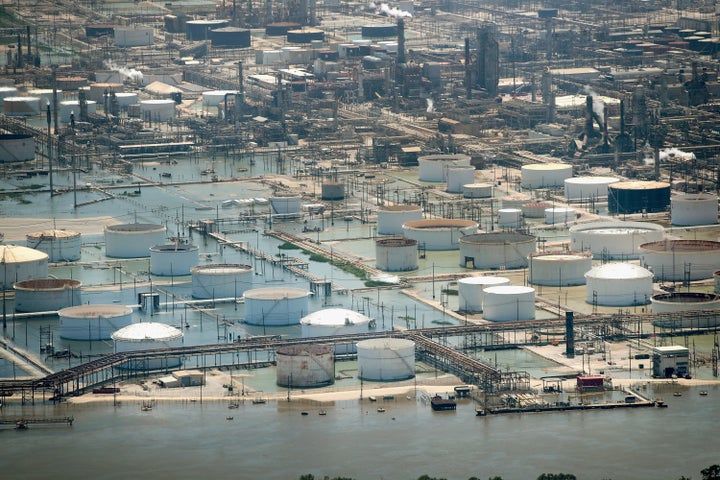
(681, 260)
(585, 189)
(439, 233)
(93, 322)
(148, 336)
(477, 190)
(488, 251)
(694, 209)
(638, 197)
(335, 321)
(471, 291)
(543, 175)
(16, 147)
(275, 306)
(386, 359)
(286, 204)
(46, 294)
(509, 303)
(619, 285)
(305, 366)
(433, 168)
(132, 240)
(559, 215)
(458, 177)
(60, 245)
(562, 268)
(396, 254)
(221, 280)
(614, 240)
(390, 218)
(173, 259)
(21, 263)
(510, 218)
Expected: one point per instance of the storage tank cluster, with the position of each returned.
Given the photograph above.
(433, 168)
(132, 240)
(471, 291)
(21, 263)
(694, 209)
(583, 189)
(494, 250)
(543, 175)
(305, 366)
(93, 322)
(681, 260)
(614, 240)
(15, 147)
(148, 336)
(221, 280)
(386, 359)
(509, 303)
(439, 233)
(390, 218)
(173, 259)
(46, 294)
(396, 254)
(638, 197)
(619, 285)
(563, 268)
(60, 245)
(335, 321)
(275, 306)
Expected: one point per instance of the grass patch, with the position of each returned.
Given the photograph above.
(34, 186)
(288, 246)
(376, 283)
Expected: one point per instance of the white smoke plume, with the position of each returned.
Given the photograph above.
(393, 12)
(131, 74)
(430, 105)
(598, 105)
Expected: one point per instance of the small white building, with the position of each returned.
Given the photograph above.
(670, 361)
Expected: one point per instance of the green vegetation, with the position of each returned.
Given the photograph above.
(17, 196)
(34, 186)
(288, 246)
(441, 322)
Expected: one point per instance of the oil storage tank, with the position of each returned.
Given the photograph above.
(148, 336)
(585, 189)
(471, 291)
(510, 218)
(562, 268)
(70, 109)
(16, 147)
(439, 233)
(386, 359)
(509, 303)
(21, 106)
(286, 204)
(336, 321)
(221, 280)
(494, 250)
(559, 215)
(619, 285)
(158, 110)
(379, 30)
(478, 190)
(305, 35)
(396, 254)
(433, 168)
(134, 36)
(60, 245)
(275, 306)
(683, 302)
(390, 218)
(93, 322)
(132, 240)
(21, 263)
(681, 260)
(46, 294)
(200, 29)
(230, 37)
(305, 366)
(333, 191)
(544, 175)
(173, 259)
(614, 240)
(694, 209)
(459, 176)
(213, 98)
(638, 197)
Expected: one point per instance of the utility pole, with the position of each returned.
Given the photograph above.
(49, 138)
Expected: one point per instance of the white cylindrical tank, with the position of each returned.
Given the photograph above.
(221, 280)
(535, 209)
(559, 215)
(275, 306)
(489, 251)
(510, 218)
(93, 322)
(386, 359)
(681, 260)
(509, 303)
(477, 190)
(148, 336)
(16, 147)
(286, 204)
(213, 98)
(21, 263)
(618, 284)
(458, 177)
(563, 268)
(694, 209)
(132, 240)
(21, 106)
(439, 233)
(471, 291)
(614, 240)
(125, 99)
(97, 91)
(46, 294)
(305, 366)
(72, 107)
(396, 254)
(173, 259)
(335, 321)
(60, 245)
(432, 168)
(158, 110)
(390, 218)
(684, 301)
(544, 175)
(583, 189)
(135, 36)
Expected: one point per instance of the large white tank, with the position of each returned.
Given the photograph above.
(458, 177)
(386, 359)
(305, 366)
(694, 209)
(72, 107)
(477, 190)
(614, 240)
(60, 245)
(563, 268)
(16, 147)
(173, 259)
(148, 336)
(396, 254)
(584, 189)
(21, 106)
(471, 291)
(509, 218)
(97, 91)
(125, 99)
(544, 175)
(496, 250)
(93, 322)
(221, 280)
(213, 98)
(535, 209)
(46, 294)
(275, 306)
(135, 36)
(390, 218)
(618, 284)
(286, 204)
(21, 263)
(158, 110)
(681, 260)
(132, 240)
(684, 301)
(509, 303)
(439, 233)
(433, 168)
(335, 321)
(559, 215)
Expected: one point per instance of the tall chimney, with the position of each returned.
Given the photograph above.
(468, 74)
(401, 41)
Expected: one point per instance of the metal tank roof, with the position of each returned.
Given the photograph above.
(275, 293)
(611, 271)
(53, 233)
(563, 256)
(310, 349)
(222, 268)
(492, 238)
(134, 227)
(385, 343)
(547, 166)
(639, 185)
(47, 284)
(399, 208)
(335, 317)
(439, 223)
(681, 246)
(19, 254)
(94, 311)
(142, 332)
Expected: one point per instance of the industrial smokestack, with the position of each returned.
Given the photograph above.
(468, 74)
(622, 117)
(401, 41)
(241, 79)
(569, 335)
